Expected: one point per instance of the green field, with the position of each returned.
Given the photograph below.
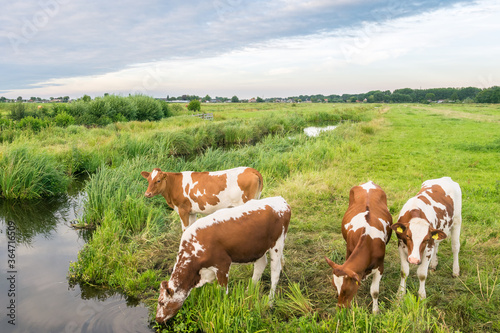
(397, 146)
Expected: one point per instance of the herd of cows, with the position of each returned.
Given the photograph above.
(239, 227)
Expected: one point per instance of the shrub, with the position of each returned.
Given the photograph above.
(17, 111)
(148, 108)
(34, 124)
(194, 105)
(64, 120)
(121, 108)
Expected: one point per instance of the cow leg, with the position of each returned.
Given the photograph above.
(374, 289)
(258, 268)
(422, 271)
(405, 269)
(455, 243)
(223, 273)
(186, 218)
(434, 259)
(276, 254)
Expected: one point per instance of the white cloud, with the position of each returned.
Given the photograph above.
(451, 46)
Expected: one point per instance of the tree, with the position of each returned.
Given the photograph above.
(260, 100)
(194, 105)
(85, 98)
(235, 99)
(207, 98)
(454, 96)
(430, 96)
(19, 99)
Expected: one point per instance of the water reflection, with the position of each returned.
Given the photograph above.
(44, 300)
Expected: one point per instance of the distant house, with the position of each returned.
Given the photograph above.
(252, 100)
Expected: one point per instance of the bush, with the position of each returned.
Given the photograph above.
(34, 124)
(18, 111)
(64, 120)
(194, 105)
(121, 108)
(148, 108)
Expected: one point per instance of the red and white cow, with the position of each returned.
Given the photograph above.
(189, 193)
(366, 228)
(425, 220)
(242, 234)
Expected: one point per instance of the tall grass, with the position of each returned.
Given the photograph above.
(27, 174)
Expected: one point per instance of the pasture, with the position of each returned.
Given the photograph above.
(135, 241)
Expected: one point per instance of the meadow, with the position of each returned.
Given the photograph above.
(135, 241)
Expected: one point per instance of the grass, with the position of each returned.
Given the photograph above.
(136, 240)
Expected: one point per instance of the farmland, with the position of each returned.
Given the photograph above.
(134, 244)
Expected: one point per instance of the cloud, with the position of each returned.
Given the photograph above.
(223, 44)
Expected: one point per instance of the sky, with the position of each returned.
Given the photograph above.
(259, 48)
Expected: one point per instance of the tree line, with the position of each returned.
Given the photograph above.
(408, 95)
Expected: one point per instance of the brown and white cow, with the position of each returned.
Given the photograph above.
(242, 234)
(366, 228)
(424, 221)
(189, 193)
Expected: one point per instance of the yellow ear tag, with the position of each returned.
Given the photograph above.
(357, 282)
(399, 230)
(435, 236)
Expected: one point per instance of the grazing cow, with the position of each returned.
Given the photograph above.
(189, 193)
(242, 234)
(425, 220)
(366, 228)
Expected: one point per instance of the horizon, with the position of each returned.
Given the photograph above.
(264, 49)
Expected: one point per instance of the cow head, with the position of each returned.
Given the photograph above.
(156, 180)
(169, 302)
(346, 282)
(417, 235)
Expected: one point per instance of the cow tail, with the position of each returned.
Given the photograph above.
(261, 185)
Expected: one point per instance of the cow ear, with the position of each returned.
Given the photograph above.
(399, 228)
(145, 174)
(353, 275)
(168, 290)
(331, 263)
(438, 234)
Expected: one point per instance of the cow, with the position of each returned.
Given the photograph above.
(366, 228)
(208, 247)
(424, 221)
(189, 193)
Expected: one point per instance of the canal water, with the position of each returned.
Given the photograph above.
(37, 245)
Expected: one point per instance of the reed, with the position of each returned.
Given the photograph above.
(27, 174)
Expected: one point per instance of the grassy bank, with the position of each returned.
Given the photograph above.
(136, 241)
(77, 149)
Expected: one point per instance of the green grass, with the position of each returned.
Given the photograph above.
(398, 147)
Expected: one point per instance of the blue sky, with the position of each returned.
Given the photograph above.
(271, 48)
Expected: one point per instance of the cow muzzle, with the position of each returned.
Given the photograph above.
(148, 194)
(414, 261)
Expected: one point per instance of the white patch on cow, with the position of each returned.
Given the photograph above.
(179, 295)
(207, 275)
(338, 281)
(419, 229)
(231, 196)
(359, 221)
(278, 204)
(153, 174)
(368, 186)
(198, 249)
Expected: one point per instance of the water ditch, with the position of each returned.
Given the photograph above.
(37, 245)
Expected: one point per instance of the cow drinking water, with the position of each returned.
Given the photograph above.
(189, 193)
(242, 234)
